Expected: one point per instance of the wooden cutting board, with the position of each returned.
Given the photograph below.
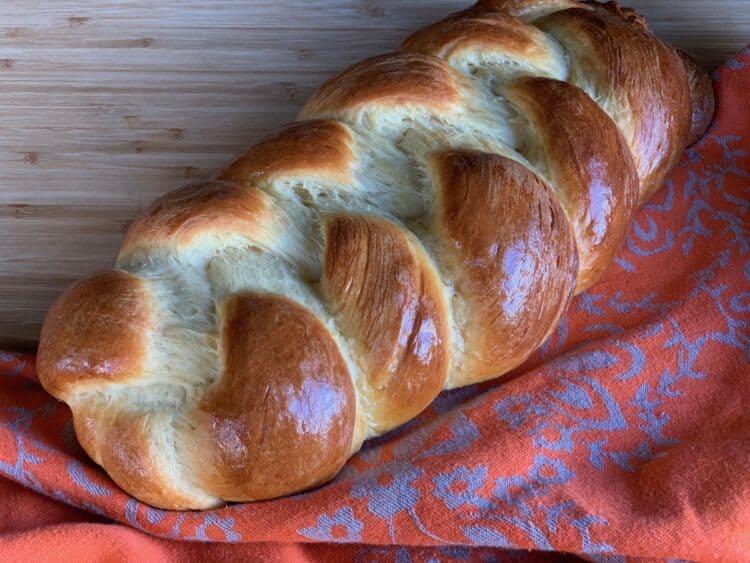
(105, 105)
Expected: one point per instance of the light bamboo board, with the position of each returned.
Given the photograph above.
(105, 105)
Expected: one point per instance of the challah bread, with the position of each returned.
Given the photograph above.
(422, 227)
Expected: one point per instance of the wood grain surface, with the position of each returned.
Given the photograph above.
(106, 104)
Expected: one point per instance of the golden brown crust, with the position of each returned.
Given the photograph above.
(637, 74)
(124, 443)
(589, 166)
(97, 332)
(281, 417)
(176, 219)
(702, 100)
(478, 36)
(488, 33)
(395, 80)
(515, 257)
(526, 9)
(387, 298)
(316, 149)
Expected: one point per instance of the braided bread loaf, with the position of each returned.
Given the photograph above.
(422, 227)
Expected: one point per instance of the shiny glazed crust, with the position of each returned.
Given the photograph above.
(422, 226)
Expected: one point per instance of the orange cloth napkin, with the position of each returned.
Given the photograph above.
(627, 434)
